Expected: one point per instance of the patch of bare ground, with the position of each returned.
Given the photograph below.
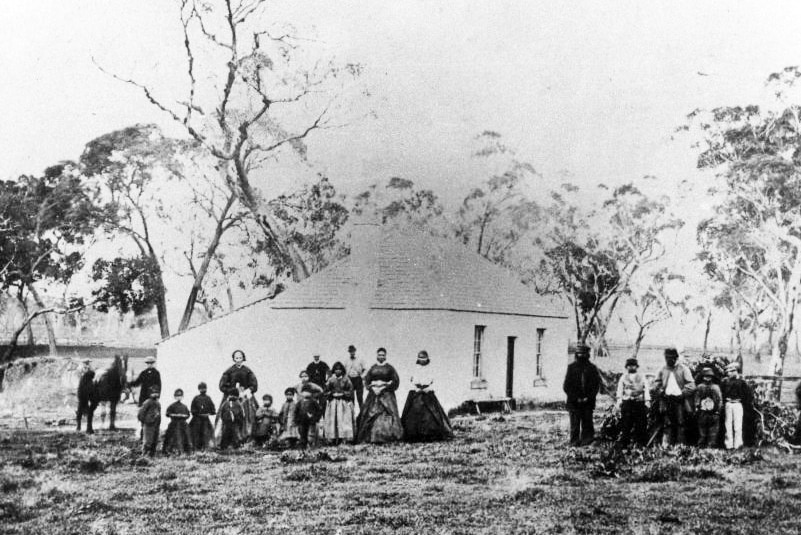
(510, 474)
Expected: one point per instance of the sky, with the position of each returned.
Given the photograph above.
(591, 90)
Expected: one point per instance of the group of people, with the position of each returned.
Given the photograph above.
(682, 399)
(326, 406)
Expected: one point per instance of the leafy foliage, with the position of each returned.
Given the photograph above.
(128, 284)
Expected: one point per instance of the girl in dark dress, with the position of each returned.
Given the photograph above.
(241, 378)
(200, 427)
(423, 418)
(177, 438)
(379, 421)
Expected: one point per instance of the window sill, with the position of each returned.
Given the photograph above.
(478, 384)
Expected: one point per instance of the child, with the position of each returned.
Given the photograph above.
(150, 416)
(177, 436)
(231, 416)
(200, 427)
(264, 432)
(286, 419)
(735, 393)
(338, 421)
(633, 401)
(708, 401)
(307, 414)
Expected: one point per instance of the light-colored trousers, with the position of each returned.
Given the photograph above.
(734, 425)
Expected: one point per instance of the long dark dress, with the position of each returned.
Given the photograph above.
(246, 379)
(200, 427)
(379, 421)
(423, 418)
(176, 438)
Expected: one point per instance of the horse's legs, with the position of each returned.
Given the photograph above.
(112, 414)
(89, 414)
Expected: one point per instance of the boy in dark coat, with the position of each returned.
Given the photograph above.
(307, 414)
(231, 415)
(177, 438)
(200, 427)
(708, 402)
(86, 387)
(149, 378)
(582, 383)
(150, 416)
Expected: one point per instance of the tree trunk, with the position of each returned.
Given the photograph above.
(706, 332)
(51, 334)
(204, 267)
(638, 342)
(28, 329)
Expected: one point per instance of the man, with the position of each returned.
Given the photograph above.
(354, 367)
(675, 389)
(582, 383)
(86, 387)
(149, 379)
(318, 371)
(633, 402)
(735, 392)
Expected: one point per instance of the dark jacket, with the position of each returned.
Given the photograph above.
(318, 373)
(150, 412)
(736, 390)
(242, 375)
(202, 405)
(581, 381)
(86, 386)
(307, 411)
(149, 378)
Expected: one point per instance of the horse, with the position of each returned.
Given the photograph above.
(108, 387)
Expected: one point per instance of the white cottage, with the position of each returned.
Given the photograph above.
(487, 334)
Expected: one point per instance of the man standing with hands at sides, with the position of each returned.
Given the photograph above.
(149, 379)
(354, 366)
(675, 386)
(582, 383)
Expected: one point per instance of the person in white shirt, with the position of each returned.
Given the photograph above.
(423, 418)
(354, 369)
(675, 386)
(633, 402)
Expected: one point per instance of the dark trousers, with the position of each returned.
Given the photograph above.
(358, 387)
(633, 422)
(674, 416)
(307, 432)
(84, 409)
(582, 431)
(708, 426)
(150, 439)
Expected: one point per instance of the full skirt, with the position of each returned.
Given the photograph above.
(176, 438)
(202, 432)
(379, 421)
(338, 420)
(423, 418)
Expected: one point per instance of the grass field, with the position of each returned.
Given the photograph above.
(510, 474)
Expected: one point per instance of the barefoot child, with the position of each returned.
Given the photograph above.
(265, 430)
(286, 420)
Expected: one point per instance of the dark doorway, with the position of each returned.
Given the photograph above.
(510, 366)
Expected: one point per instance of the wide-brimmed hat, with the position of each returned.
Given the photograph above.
(150, 359)
(672, 352)
(582, 350)
(632, 362)
(707, 372)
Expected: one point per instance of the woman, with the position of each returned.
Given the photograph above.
(338, 420)
(240, 377)
(378, 420)
(423, 418)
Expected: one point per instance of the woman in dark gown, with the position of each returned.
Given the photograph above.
(423, 418)
(378, 420)
(240, 377)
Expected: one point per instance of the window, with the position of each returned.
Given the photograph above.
(478, 338)
(540, 336)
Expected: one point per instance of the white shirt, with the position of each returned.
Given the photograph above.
(422, 375)
(672, 387)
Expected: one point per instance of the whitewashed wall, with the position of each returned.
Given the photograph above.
(280, 342)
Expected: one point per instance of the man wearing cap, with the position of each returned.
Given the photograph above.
(354, 367)
(86, 388)
(582, 383)
(708, 402)
(633, 402)
(675, 388)
(149, 378)
(735, 392)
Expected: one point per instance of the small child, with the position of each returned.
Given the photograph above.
(264, 432)
(708, 401)
(307, 414)
(633, 401)
(735, 392)
(150, 416)
(231, 415)
(177, 438)
(200, 427)
(286, 419)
